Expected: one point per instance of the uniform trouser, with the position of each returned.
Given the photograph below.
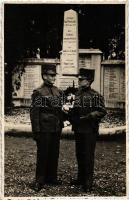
(47, 157)
(85, 149)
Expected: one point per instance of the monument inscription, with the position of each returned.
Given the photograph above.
(68, 81)
(32, 79)
(114, 83)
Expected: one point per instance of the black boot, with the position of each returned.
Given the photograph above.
(54, 182)
(37, 186)
(87, 186)
(76, 182)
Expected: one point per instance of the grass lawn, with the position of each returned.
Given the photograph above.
(20, 161)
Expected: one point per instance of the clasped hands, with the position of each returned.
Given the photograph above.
(67, 107)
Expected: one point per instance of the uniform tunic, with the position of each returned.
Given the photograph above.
(85, 117)
(47, 122)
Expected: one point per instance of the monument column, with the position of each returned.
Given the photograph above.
(69, 61)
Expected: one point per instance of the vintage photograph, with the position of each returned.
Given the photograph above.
(64, 100)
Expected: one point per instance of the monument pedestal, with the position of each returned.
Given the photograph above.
(89, 59)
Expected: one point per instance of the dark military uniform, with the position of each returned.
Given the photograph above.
(47, 122)
(85, 117)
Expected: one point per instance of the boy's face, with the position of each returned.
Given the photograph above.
(49, 78)
(83, 82)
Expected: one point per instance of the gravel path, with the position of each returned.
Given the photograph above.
(17, 122)
(21, 116)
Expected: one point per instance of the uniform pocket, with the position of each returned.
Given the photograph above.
(49, 123)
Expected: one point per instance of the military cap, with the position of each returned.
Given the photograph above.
(86, 74)
(49, 69)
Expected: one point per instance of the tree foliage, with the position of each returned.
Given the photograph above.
(34, 29)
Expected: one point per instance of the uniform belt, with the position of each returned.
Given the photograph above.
(55, 112)
(83, 117)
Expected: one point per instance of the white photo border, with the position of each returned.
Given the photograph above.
(2, 95)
